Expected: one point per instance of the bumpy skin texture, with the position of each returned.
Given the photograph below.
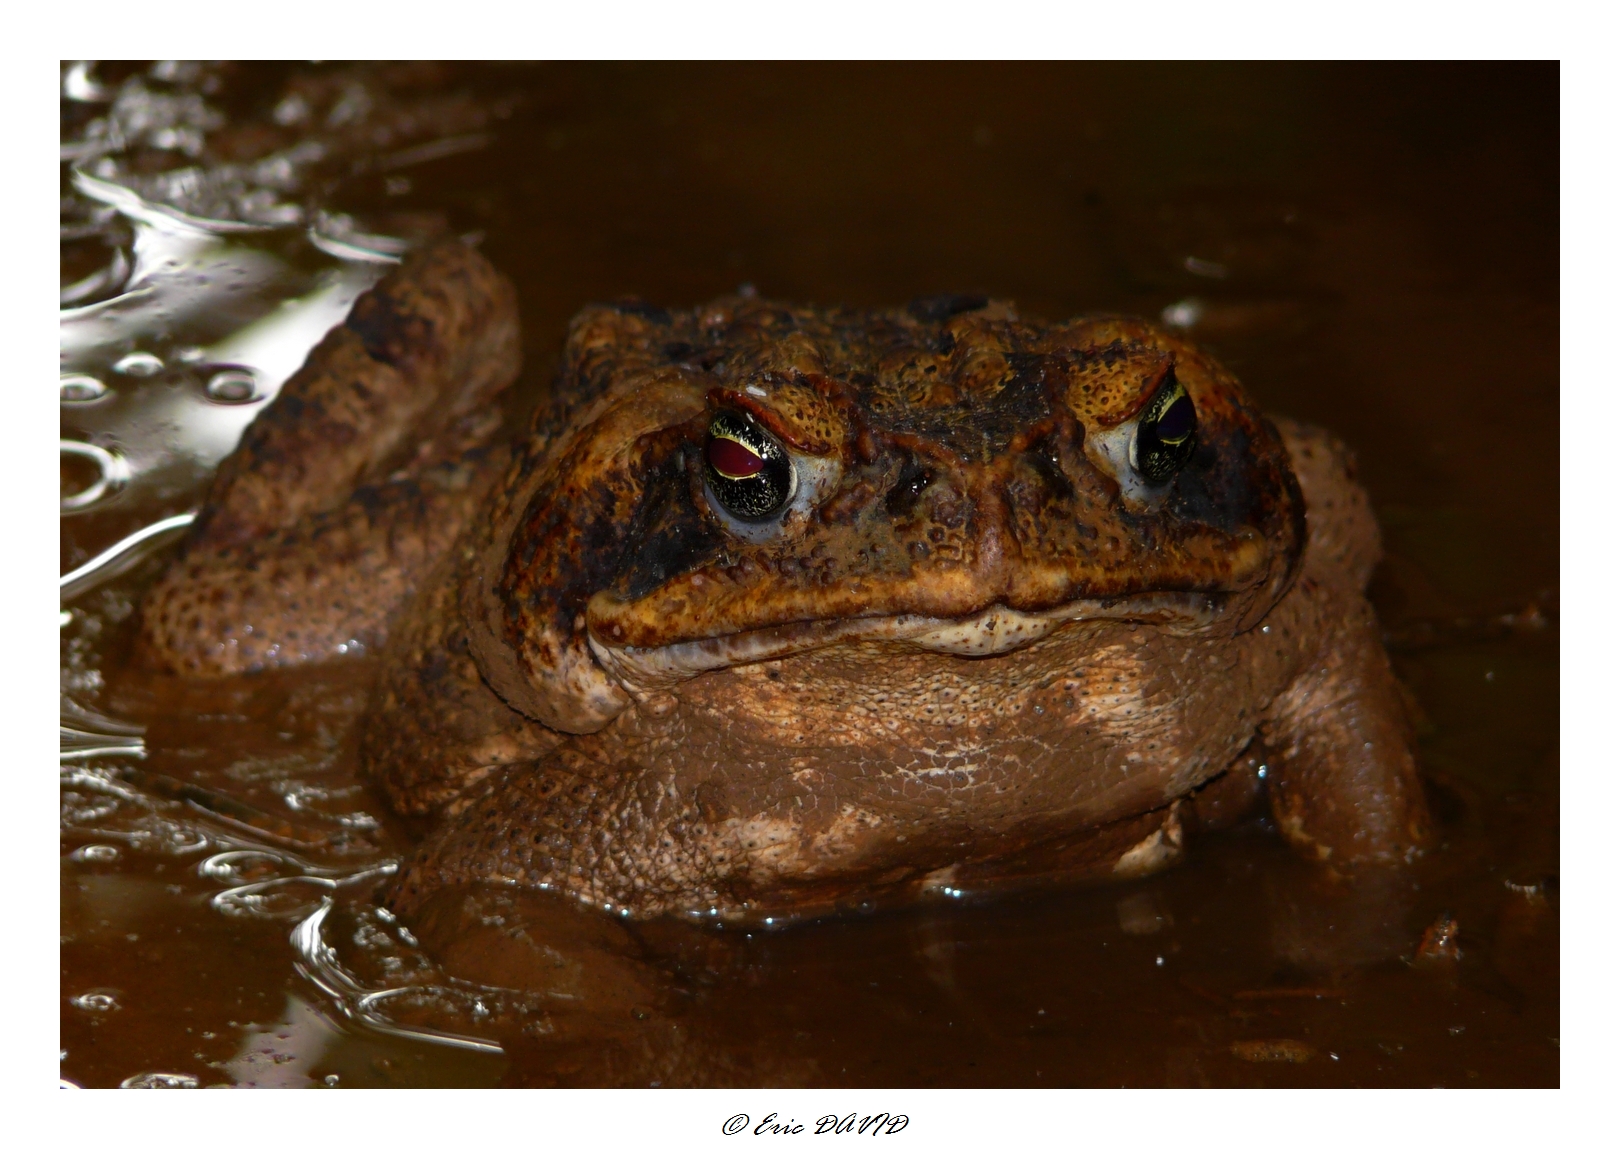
(345, 491)
(978, 646)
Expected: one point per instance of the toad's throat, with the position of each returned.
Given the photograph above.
(995, 630)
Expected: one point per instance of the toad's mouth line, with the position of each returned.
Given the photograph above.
(995, 630)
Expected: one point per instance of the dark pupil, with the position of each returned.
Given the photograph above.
(1177, 423)
(1168, 432)
(748, 471)
(733, 460)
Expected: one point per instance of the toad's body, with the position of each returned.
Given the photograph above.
(776, 608)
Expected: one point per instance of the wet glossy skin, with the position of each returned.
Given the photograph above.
(981, 644)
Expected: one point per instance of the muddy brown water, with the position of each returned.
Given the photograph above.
(1370, 248)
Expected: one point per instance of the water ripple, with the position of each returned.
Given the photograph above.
(122, 555)
(318, 962)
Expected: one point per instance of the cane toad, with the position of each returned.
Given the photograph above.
(774, 608)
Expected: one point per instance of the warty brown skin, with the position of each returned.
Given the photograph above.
(977, 648)
(351, 484)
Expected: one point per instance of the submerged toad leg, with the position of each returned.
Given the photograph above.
(1343, 783)
(350, 485)
(619, 839)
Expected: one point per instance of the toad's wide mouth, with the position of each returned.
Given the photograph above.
(995, 630)
(772, 591)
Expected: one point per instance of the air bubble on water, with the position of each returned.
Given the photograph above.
(277, 898)
(159, 1081)
(233, 385)
(191, 354)
(293, 109)
(96, 1001)
(79, 83)
(82, 389)
(240, 867)
(176, 838)
(114, 473)
(139, 363)
(79, 810)
(95, 854)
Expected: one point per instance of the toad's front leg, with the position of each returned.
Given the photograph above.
(578, 824)
(1343, 783)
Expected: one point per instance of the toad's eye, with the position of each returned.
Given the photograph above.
(1166, 432)
(748, 471)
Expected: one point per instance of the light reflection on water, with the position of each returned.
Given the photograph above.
(201, 316)
(364, 1004)
(190, 294)
(258, 880)
(122, 555)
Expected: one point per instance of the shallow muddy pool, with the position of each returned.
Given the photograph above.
(1369, 248)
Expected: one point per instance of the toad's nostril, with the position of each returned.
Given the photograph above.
(908, 488)
(1047, 465)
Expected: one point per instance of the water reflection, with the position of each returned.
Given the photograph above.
(112, 472)
(214, 323)
(282, 1054)
(367, 1005)
(159, 1081)
(96, 1001)
(139, 363)
(102, 281)
(234, 385)
(84, 731)
(196, 281)
(190, 294)
(122, 555)
(79, 84)
(82, 389)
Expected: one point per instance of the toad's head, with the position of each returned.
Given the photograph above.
(751, 481)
